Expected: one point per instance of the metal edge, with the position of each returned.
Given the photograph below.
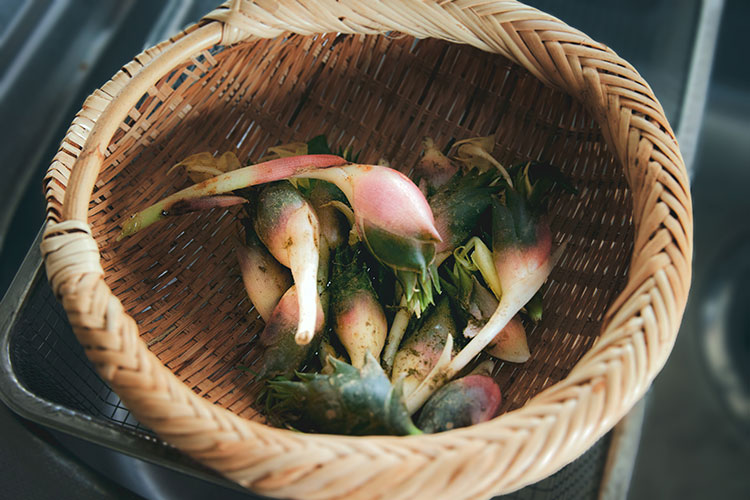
(20, 286)
(626, 438)
(115, 14)
(696, 89)
(44, 412)
(623, 450)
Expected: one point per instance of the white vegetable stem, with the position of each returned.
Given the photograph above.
(400, 323)
(395, 335)
(265, 279)
(304, 265)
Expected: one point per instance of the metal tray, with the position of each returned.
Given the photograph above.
(46, 378)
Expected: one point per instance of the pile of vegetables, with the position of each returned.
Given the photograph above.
(384, 297)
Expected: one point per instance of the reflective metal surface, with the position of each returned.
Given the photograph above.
(696, 438)
(55, 52)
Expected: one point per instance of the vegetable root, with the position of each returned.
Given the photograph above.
(265, 279)
(288, 226)
(282, 355)
(466, 401)
(409, 231)
(422, 350)
(358, 317)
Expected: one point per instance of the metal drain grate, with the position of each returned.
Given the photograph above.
(50, 362)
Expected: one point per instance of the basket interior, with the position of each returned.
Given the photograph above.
(380, 94)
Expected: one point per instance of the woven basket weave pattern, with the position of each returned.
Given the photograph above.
(616, 298)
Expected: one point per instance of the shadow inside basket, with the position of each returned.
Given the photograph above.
(378, 94)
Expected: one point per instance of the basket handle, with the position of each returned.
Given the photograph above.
(86, 168)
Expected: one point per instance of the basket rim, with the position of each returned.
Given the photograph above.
(554, 426)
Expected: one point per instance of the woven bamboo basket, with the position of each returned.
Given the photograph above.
(164, 317)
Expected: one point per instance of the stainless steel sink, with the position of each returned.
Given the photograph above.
(695, 432)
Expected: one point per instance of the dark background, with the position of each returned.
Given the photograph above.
(695, 440)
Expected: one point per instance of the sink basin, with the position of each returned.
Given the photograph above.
(696, 434)
(724, 321)
(697, 389)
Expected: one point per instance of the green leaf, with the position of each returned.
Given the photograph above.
(459, 205)
(318, 145)
(513, 222)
